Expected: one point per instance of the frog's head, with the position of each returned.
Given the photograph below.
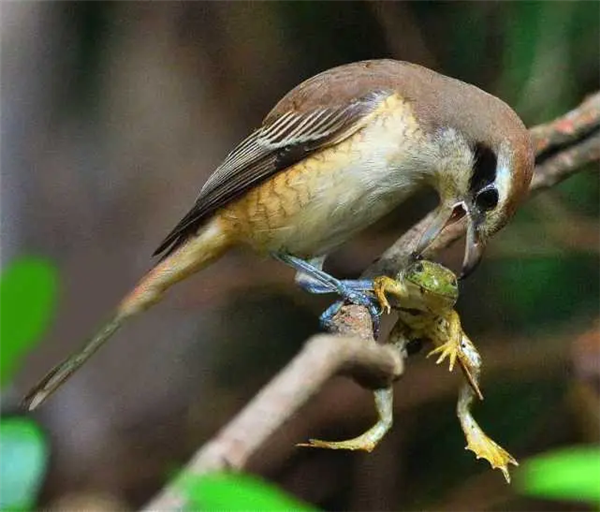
(431, 284)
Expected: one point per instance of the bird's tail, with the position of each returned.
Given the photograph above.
(198, 252)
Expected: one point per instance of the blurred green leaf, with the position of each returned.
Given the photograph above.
(28, 288)
(568, 474)
(236, 492)
(539, 291)
(23, 458)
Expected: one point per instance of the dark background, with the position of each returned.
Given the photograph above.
(113, 116)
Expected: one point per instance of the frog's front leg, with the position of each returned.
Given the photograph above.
(447, 335)
(384, 401)
(385, 284)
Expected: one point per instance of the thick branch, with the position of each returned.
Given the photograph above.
(562, 147)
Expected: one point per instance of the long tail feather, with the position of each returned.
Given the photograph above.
(64, 370)
(198, 252)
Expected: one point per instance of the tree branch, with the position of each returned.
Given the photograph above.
(323, 356)
(563, 147)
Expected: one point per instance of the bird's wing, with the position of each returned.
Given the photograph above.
(279, 143)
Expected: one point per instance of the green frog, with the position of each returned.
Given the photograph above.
(424, 295)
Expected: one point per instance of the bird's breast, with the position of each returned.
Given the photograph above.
(317, 204)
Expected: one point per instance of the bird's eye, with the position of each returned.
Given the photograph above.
(487, 199)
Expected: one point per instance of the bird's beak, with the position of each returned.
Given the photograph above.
(445, 215)
(473, 249)
(474, 245)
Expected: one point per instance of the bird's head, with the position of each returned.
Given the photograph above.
(485, 187)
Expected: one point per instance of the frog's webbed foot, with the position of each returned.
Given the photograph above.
(365, 442)
(485, 448)
(371, 438)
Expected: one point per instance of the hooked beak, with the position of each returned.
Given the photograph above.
(474, 245)
(473, 249)
(446, 215)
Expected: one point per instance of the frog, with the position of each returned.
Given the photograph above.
(424, 295)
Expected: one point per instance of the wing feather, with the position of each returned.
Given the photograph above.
(271, 148)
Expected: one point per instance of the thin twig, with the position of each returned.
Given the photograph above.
(569, 127)
(564, 146)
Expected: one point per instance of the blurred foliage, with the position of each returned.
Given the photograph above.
(23, 459)
(28, 294)
(237, 492)
(569, 474)
(550, 290)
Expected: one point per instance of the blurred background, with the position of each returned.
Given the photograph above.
(113, 116)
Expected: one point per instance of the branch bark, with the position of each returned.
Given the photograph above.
(563, 147)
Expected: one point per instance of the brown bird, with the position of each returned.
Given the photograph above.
(336, 154)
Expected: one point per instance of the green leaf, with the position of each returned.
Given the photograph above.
(236, 492)
(28, 288)
(23, 459)
(569, 474)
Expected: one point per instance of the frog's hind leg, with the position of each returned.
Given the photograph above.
(477, 440)
(367, 441)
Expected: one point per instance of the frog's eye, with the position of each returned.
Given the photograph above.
(419, 267)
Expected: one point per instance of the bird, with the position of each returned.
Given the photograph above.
(338, 152)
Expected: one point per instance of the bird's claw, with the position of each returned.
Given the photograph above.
(353, 297)
(362, 299)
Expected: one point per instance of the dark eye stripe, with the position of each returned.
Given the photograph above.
(484, 168)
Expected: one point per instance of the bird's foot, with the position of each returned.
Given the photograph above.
(485, 448)
(326, 318)
(313, 279)
(361, 299)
